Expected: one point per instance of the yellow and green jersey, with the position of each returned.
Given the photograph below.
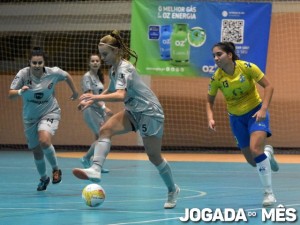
(239, 89)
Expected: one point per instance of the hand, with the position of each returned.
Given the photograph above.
(87, 96)
(74, 96)
(212, 125)
(108, 113)
(260, 115)
(22, 90)
(25, 88)
(84, 104)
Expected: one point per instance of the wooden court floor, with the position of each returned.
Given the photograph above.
(135, 193)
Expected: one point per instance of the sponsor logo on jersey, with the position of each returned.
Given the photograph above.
(50, 85)
(38, 95)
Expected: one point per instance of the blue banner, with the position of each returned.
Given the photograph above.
(176, 37)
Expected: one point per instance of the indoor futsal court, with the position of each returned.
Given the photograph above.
(135, 193)
(207, 166)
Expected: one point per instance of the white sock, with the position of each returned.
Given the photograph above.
(264, 171)
(102, 148)
(51, 157)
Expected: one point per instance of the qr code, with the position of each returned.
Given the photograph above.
(233, 30)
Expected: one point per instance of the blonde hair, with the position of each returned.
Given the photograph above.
(114, 40)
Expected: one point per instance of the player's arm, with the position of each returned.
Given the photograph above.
(107, 110)
(14, 94)
(117, 96)
(72, 86)
(87, 100)
(268, 93)
(210, 112)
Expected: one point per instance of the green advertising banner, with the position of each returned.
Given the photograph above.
(174, 38)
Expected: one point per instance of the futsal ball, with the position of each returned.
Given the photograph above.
(93, 195)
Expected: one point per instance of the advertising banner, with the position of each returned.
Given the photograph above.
(175, 38)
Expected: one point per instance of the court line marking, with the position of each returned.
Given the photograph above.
(134, 212)
(199, 194)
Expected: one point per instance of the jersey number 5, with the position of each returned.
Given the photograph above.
(144, 128)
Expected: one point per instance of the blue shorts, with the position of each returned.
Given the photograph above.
(242, 126)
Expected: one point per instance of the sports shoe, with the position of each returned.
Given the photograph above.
(172, 198)
(273, 162)
(104, 170)
(87, 174)
(42, 186)
(56, 176)
(269, 199)
(87, 164)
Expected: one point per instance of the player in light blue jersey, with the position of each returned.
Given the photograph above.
(95, 115)
(143, 112)
(35, 84)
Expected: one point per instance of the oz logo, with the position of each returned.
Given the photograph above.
(180, 43)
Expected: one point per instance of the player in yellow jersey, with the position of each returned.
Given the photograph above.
(248, 112)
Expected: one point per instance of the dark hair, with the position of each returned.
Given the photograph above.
(228, 47)
(99, 72)
(114, 39)
(37, 51)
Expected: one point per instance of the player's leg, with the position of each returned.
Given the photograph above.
(151, 131)
(268, 150)
(250, 137)
(94, 121)
(46, 129)
(38, 154)
(86, 158)
(117, 124)
(239, 128)
(152, 146)
(40, 164)
(248, 156)
(257, 143)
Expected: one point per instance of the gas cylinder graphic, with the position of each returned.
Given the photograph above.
(164, 41)
(180, 46)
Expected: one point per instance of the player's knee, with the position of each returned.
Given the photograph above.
(44, 141)
(37, 153)
(105, 132)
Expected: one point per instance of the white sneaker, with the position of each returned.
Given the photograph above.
(273, 162)
(172, 198)
(87, 174)
(269, 199)
(87, 164)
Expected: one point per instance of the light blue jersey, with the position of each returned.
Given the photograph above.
(90, 82)
(39, 100)
(95, 115)
(139, 98)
